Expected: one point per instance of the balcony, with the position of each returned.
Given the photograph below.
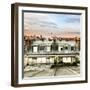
(54, 53)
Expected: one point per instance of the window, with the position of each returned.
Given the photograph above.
(66, 47)
(72, 48)
(41, 48)
(35, 58)
(61, 49)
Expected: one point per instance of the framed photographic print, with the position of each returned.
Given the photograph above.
(48, 44)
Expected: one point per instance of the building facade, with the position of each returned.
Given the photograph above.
(39, 50)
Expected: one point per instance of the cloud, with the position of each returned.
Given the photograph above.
(73, 19)
(51, 23)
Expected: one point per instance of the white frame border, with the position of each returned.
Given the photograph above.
(62, 79)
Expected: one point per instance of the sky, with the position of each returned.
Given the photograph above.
(44, 23)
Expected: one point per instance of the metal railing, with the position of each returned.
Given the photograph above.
(53, 52)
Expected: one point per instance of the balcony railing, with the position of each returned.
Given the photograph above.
(53, 52)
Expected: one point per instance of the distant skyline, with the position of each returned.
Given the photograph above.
(44, 23)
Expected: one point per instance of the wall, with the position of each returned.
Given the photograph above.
(5, 45)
